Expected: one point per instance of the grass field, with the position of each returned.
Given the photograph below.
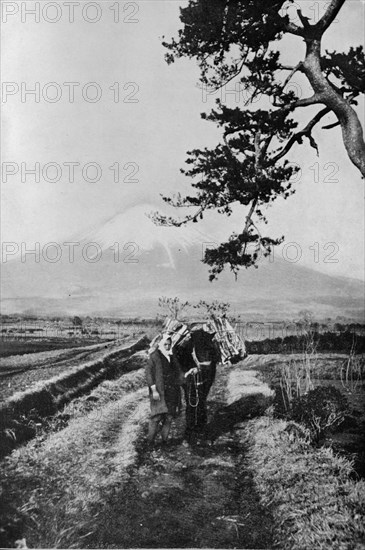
(18, 373)
(26, 361)
(10, 347)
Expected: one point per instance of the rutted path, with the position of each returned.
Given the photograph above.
(201, 496)
(95, 485)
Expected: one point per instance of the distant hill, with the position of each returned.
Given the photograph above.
(148, 262)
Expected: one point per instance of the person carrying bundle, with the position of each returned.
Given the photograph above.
(164, 377)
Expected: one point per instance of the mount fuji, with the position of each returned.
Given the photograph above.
(123, 266)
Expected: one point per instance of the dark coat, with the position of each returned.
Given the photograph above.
(168, 377)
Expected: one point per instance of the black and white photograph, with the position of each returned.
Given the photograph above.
(182, 271)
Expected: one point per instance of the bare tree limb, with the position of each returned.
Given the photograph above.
(305, 101)
(231, 77)
(250, 214)
(266, 145)
(330, 126)
(257, 150)
(292, 72)
(304, 20)
(292, 28)
(249, 221)
(329, 16)
(297, 138)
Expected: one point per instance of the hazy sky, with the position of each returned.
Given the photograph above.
(147, 130)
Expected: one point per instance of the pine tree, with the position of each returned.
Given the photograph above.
(238, 40)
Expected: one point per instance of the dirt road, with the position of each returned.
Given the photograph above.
(194, 496)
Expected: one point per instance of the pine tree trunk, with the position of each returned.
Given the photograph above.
(352, 132)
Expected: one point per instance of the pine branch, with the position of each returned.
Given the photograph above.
(160, 219)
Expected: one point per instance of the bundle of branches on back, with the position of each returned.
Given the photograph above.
(232, 347)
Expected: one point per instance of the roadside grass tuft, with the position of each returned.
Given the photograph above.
(314, 501)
